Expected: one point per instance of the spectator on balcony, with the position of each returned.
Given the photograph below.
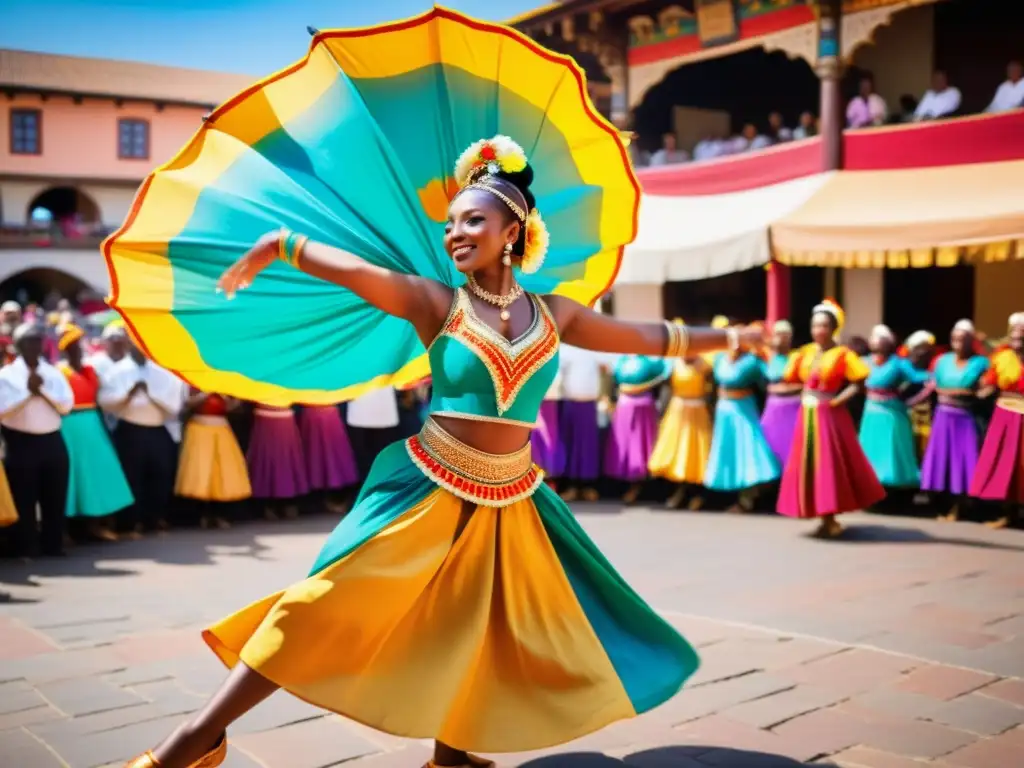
(941, 100)
(808, 126)
(867, 107)
(710, 147)
(1010, 94)
(750, 139)
(777, 131)
(669, 154)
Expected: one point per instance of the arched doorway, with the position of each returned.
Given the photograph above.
(45, 286)
(66, 211)
(747, 86)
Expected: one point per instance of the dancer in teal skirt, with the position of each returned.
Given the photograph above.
(96, 486)
(741, 458)
(886, 434)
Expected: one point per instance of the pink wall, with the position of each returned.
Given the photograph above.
(80, 140)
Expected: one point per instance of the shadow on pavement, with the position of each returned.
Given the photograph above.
(894, 534)
(689, 756)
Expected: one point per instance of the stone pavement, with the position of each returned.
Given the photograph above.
(901, 646)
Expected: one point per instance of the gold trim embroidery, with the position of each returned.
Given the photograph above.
(510, 363)
(489, 419)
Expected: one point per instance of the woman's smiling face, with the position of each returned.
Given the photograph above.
(479, 226)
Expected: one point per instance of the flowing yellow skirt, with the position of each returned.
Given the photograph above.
(490, 628)
(684, 442)
(8, 512)
(212, 466)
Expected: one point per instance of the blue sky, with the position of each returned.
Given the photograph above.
(246, 36)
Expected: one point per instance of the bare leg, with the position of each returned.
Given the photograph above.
(242, 690)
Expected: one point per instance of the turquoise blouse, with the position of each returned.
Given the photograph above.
(479, 374)
(776, 368)
(948, 374)
(892, 374)
(635, 374)
(745, 372)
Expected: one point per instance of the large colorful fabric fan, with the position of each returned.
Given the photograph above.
(355, 146)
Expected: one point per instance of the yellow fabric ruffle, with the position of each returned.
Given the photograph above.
(684, 442)
(212, 466)
(8, 512)
(451, 623)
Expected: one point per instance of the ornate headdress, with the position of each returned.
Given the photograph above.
(882, 331)
(964, 325)
(830, 307)
(917, 338)
(478, 168)
(1017, 318)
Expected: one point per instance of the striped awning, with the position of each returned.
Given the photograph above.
(933, 194)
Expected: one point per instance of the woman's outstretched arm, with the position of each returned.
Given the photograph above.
(423, 302)
(581, 326)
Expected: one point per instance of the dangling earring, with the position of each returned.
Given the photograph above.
(507, 258)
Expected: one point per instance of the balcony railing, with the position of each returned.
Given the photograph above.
(29, 239)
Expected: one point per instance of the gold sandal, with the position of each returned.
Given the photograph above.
(211, 759)
(474, 762)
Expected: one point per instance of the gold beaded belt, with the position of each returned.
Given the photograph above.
(488, 479)
(1011, 401)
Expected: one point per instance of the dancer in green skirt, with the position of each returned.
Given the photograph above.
(96, 487)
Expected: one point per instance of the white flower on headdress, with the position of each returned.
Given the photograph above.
(493, 155)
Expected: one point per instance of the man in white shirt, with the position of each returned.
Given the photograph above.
(145, 398)
(941, 101)
(581, 371)
(34, 395)
(1010, 94)
(373, 425)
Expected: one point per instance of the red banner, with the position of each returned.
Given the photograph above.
(960, 141)
(735, 173)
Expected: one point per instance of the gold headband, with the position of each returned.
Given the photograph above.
(482, 183)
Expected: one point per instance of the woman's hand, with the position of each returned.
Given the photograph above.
(240, 275)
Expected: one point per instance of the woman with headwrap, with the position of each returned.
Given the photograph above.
(952, 454)
(885, 431)
(827, 473)
(782, 408)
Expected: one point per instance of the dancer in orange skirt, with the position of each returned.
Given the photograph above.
(999, 474)
(827, 472)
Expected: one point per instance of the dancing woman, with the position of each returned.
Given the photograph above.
(459, 600)
(999, 474)
(684, 437)
(886, 434)
(634, 427)
(952, 453)
(741, 458)
(782, 407)
(827, 472)
(97, 487)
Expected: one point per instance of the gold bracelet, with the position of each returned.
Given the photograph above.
(678, 340)
(289, 247)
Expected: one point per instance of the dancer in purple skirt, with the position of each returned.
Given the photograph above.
(952, 452)
(548, 449)
(581, 371)
(782, 408)
(634, 428)
(277, 465)
(330, 462)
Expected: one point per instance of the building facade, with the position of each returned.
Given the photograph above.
(77, 137)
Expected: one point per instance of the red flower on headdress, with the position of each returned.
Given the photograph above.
(487, 152)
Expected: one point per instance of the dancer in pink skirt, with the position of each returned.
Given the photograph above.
(277, 464)
(827, 473)
(330, 462)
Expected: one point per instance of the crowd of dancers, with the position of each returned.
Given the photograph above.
(106, 444)
(937, 427)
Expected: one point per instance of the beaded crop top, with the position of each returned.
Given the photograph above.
(479, 374)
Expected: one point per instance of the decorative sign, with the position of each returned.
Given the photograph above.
(717, 22)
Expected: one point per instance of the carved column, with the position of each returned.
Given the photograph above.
(830, 72)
